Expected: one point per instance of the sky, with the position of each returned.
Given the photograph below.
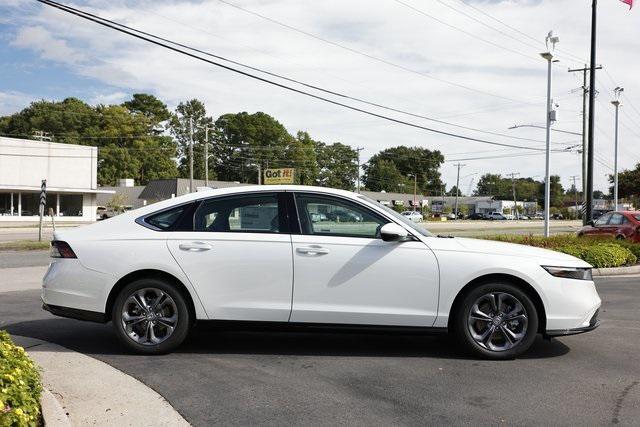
(470, 63)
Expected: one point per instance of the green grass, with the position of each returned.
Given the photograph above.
(24, 245)
(601, 252)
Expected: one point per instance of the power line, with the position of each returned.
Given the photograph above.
(364, 54)
(121, 28)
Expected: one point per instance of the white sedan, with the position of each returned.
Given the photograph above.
(414, 216)
(255, 254)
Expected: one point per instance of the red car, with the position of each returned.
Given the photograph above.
(621, 225)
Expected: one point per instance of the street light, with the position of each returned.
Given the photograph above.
(616, 103)
(550, 113)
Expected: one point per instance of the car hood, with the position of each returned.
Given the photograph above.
(491, 247)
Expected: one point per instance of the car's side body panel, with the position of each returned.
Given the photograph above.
(364, 281)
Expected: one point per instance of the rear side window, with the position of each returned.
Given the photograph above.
(166, 219)
(251, 213)
(616, 219)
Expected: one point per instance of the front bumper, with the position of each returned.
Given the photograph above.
(593, 324)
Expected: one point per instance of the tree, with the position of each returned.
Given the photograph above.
(411, 160)
(337, 165)
(154, 110)
(128, 141)
(383, 175)
(180, 127)
(453, 191)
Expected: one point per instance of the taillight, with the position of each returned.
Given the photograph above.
(60, 249)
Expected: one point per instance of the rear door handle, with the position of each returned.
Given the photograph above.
(195, 246)
(312, 250)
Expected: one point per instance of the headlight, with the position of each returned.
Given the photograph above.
(579, 273)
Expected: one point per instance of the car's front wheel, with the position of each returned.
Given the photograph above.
(151, 316)
(496, 321)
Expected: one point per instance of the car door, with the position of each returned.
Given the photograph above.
(344, 273)
(616, 222)
(601, 225)
(238, 256)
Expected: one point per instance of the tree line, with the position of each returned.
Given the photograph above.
(143, 140)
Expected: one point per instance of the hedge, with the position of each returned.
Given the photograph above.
(20, 386)
(599, 252)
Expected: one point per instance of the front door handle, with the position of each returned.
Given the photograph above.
(312, 250)
(195, 246)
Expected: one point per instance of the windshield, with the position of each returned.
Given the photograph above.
(401, 218)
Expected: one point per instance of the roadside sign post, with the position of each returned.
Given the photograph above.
(43, 202)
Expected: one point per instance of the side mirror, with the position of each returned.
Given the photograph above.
(393, 232)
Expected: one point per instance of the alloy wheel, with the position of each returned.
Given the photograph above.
(497, 321)
(149, 316)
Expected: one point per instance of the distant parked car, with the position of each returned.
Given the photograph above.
(557, 216)
(496, 216)
(451, 216)
(476, 216)
(318, 216)
(509, 217)
(523, 217)
(414, 216)
(343, 216)
(621, 225)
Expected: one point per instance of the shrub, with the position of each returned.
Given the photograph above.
(601, 252)
(19, 386)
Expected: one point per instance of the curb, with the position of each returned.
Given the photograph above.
(52, 412)
(616, 271)
(90, 392)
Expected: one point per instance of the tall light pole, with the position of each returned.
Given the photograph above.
(550, 117)
(616, 103)
(458, 165)
(191, 154)
(592, 113)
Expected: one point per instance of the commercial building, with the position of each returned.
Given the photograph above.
(70, 172)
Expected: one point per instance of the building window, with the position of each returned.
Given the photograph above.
(30, 204)
(8, 204)
(70, 204)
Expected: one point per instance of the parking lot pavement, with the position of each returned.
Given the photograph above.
(239, 378)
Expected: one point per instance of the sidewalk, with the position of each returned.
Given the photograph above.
(90, 392)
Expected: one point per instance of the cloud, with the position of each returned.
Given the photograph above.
(11, 102)
(472, 55)
(109, 98)
(42, 41)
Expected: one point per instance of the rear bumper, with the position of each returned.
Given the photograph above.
(74, 313)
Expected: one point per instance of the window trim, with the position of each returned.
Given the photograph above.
(346, 200)
(142, 220)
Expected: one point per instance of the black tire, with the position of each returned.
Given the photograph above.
(182, 325)
(461, 328)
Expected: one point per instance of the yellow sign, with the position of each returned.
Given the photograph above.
(279, 176)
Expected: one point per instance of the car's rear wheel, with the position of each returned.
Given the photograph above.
(496, 321)
(151, 316)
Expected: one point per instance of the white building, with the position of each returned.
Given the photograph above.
(70, 171)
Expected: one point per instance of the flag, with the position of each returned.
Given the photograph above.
(629, 2)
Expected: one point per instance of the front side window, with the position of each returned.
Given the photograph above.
(251, 213)
(616, 219)
(329, 216)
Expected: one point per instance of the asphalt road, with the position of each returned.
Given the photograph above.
(277, 378)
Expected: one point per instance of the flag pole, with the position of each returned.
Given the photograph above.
(592, 90)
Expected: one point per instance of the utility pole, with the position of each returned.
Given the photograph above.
(616, 103)
(513, 184)
(550, 117)
(190, 154)
(575, 191)
(358, 150)
(592, 115)
(206, 155)
(415, 188)
(259, 173)
(585, 92)
(458, 165)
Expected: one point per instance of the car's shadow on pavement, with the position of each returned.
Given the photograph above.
(99, 339)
